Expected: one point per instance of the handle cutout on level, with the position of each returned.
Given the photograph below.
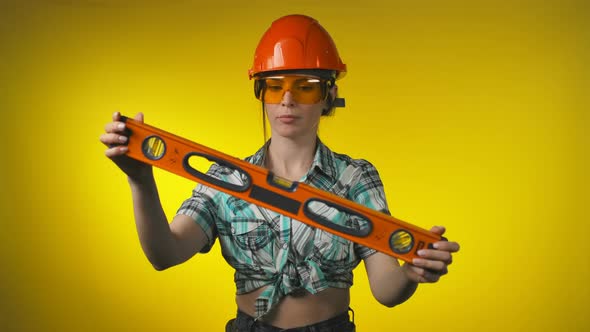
(246, 179)
(337, 217)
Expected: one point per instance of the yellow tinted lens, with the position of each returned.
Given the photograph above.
(304, 90)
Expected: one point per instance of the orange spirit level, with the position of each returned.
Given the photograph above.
(300, 201)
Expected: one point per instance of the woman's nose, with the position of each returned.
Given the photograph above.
(287, 99)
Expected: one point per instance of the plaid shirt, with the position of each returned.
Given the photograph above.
(269, 249)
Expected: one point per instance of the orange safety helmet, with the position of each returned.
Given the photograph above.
(296, 42)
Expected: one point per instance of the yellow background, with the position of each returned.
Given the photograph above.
(475, 113)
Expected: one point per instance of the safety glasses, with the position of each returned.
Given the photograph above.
(303, 89)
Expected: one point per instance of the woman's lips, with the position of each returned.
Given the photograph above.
(287, 119)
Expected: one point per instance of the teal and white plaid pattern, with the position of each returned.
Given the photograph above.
(269, 249)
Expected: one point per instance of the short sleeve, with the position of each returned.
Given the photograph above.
(202, 208)
(204, 205)
(368, 190)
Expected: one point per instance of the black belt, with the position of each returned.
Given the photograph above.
(246, 323)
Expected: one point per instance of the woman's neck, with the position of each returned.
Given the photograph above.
(290, 158)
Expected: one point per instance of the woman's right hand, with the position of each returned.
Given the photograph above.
(115, 138)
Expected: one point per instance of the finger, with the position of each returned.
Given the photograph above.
(422, 275)
(116, 116)
(447, 246)
(139, 117)
(114, 127)
(433, 265)
(430, 276)
(116, 151)
(414, 272)
(113, 139)
(440, 230)
(435, 254)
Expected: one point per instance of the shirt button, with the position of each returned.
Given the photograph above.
(233, 230)
(285, 245)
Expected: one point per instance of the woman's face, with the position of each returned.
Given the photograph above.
(294, 104)
(291, 119)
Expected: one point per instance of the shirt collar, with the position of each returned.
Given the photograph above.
(260, 155)
(323, 159)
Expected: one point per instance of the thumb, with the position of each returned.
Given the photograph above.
(139, 117)
(440, 230)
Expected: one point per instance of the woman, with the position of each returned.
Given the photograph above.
(288, 275)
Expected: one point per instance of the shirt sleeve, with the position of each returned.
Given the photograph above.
(203, 206)
(368, 190)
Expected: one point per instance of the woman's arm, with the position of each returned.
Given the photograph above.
(392, 284)
(387, 279)
(164, 244)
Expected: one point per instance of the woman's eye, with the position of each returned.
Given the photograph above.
(274, 87)
(306, 88)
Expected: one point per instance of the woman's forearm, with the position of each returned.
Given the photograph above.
(156, 238)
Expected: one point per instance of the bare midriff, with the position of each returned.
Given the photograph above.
(301, 309)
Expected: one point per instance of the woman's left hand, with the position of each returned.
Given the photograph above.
(432, 263)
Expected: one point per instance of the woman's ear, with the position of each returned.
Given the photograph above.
(336, 102)
(333, 91)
